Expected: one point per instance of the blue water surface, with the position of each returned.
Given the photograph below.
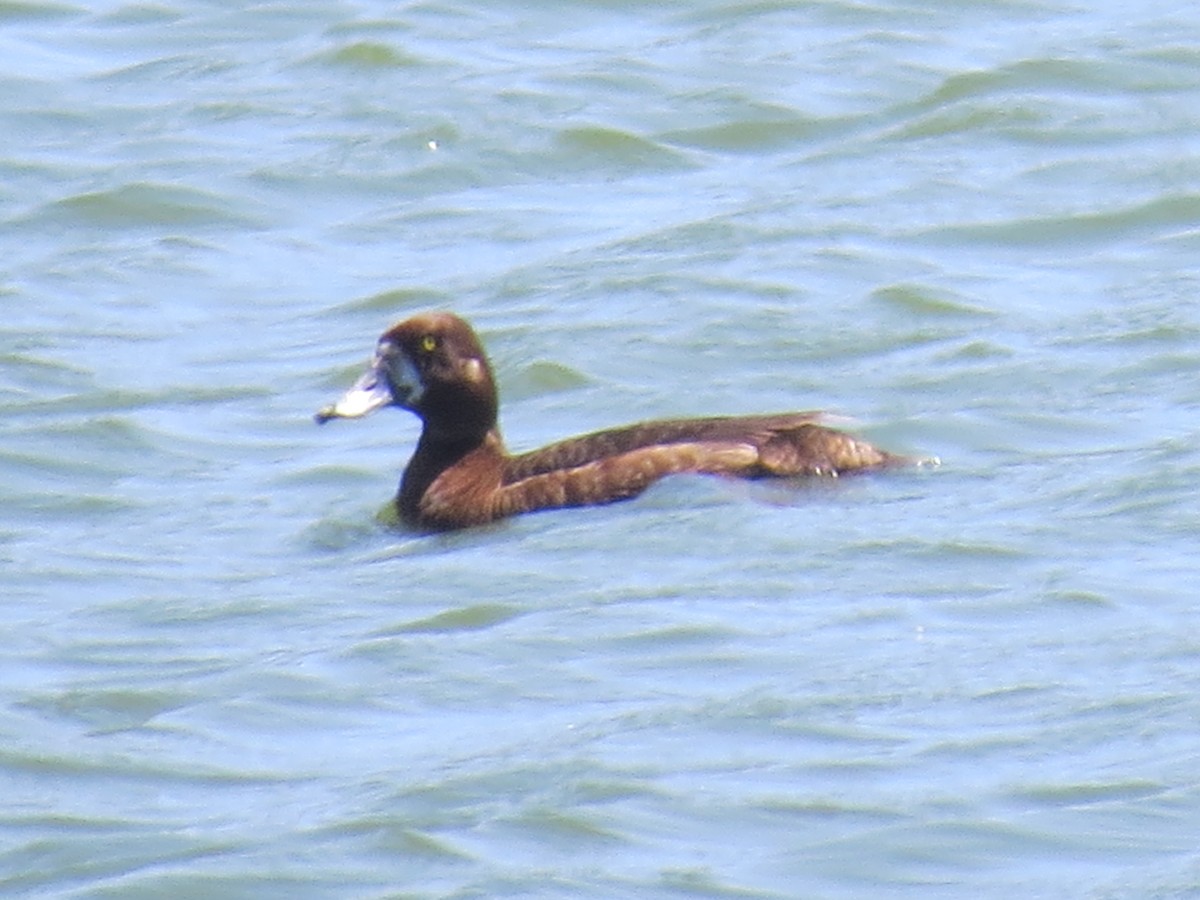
(968, 229)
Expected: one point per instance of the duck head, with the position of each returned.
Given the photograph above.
(433, 365)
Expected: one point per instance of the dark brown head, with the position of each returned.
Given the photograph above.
(432, 364)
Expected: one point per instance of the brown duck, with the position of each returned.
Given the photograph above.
(461, 475)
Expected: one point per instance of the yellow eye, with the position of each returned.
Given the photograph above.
(429, 343)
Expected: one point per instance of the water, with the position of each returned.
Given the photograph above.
(971, 227)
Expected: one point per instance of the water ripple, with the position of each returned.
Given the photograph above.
(968, 228)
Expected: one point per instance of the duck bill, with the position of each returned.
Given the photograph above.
(368, 394)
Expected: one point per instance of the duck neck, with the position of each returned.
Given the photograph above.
(436, 452)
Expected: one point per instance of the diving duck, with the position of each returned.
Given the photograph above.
(461, 475)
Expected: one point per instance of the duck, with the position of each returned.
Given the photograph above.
(460, 475)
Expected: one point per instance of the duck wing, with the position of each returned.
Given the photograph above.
(752, 431)
(812, 449)
(614, 465)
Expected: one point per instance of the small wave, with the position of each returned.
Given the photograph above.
(370, 56)
(145, 204)
(1143, 220)
(22, 10)
(775, 129)
(591, 146)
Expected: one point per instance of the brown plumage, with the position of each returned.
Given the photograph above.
(461, 475)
